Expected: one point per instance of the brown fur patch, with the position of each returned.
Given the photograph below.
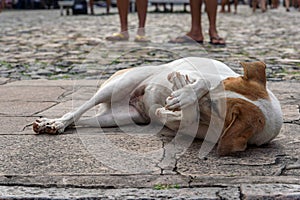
(253, 84)
(243, 120)
(248, 88)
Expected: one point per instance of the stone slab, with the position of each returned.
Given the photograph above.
(266, 160)
(127, 153)
(29, 93)
(3, 80)
(270, 191)
(95, 180)
(215, 179)
(286, 92)
(56, 83)
(23, 108)
(210, 193)
(46, 154)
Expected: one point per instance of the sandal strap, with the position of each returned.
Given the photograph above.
(141, 38)
(117, 37)
(120, 35)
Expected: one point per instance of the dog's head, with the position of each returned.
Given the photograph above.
(248, 108)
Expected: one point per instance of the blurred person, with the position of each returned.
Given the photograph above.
(123, 35)
(2, 5)
(287, 5)
(195, 34)
(227, 2)
(262, 4)
(275, 3)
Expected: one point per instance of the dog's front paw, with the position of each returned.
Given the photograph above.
(178, 80)
(181, 98)
(49, 126)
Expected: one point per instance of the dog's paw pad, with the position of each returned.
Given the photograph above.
(44, 125)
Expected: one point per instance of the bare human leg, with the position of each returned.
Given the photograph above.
(196, 29)
(223, 3)
(287, 5)
(123, 6)
(235, 6)
(142, 6)
(211, 6)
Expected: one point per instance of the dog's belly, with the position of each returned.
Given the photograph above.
(150, 85)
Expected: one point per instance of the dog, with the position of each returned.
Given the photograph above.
(186, 93)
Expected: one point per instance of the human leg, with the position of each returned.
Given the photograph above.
(228, 5)
(108, 4)
(92, 6)
(235, 5)
(142, 6)
(211, 6)
(287, 5)
(196, 28)
(123, 6)
(2, 5)
(263, 5)
(195, 34)
(223, 2)
(254, 5)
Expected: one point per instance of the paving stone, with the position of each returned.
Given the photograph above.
(31, 155)
(37, 94)
(53, 83)
(23, 108)
(129, 153)
(270, 191)
(212, 193)
(3, 80)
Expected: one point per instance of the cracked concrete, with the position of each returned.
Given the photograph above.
(130, 162)
(82, 160)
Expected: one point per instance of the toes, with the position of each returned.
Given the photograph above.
(178, 80)
(44, 125)
(50, 129)
(172, 103)
(36, 127)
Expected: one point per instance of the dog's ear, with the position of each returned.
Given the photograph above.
(255, 71)
(242, 121)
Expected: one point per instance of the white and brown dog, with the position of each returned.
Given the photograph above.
(193, 90)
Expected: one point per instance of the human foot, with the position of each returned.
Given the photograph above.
(185, 39)
(118, 37)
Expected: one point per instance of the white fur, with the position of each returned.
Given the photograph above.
(205, 74)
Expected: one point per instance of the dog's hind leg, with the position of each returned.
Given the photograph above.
(117, 89)
(123, 115)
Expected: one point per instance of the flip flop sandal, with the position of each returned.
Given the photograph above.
(117, 37)
(141, 38)
(185, 39)
(217, 41)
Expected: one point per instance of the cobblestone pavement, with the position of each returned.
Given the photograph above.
(80, 164)
(42, 44)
